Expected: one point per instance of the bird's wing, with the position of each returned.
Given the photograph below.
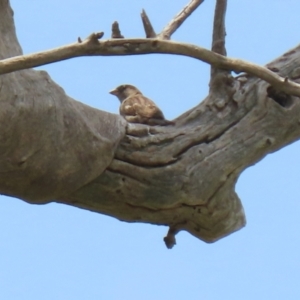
(142, 106)
(127, 108)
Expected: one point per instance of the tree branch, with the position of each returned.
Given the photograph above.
(174, 24)
(179, 19)
(218, 84)
(219, 32)
(93, 47)
(183, 176)
(115, 31)
(150, 33)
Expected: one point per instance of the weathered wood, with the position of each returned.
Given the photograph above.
(50, 144)
(176, 22)
(183, 176)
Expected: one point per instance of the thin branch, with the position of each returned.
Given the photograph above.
(219, 31)
(115, 31)
(218, 43)
(117, 47)
(94, 38)
(179, 19)
(170, 239)
(150, 33)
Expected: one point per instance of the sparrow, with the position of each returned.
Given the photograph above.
(136, 108)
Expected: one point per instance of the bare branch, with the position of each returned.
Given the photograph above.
(170, 239)
(218, 46)
(118, 47)
(115, 31)
(150, 33)
(94, 38)
(179, 19)
(219, 32)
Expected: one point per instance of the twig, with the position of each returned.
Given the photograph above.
(94, 38)
(219, 31)
(170, 239)
(115, 31)
(150, 33)
(219, 34)
(117, 47)
(179, 19)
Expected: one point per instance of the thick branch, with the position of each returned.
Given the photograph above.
(182, 176)
(146, 46)
(179, 19)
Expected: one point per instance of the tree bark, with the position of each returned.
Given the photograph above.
(182, 176)
(50, 144)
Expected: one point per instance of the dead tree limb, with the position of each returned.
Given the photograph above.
(147, 46)
(221, 81)
(219, 32)
(182, 176)
(115, 31)
(176, 22)
(150, 33)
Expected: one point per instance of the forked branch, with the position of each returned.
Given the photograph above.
(179, 19)
(91, 46)
(183, 176)
(173, 25)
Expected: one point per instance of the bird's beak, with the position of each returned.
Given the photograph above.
(114, 92)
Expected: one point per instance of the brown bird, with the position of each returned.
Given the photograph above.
(136, 108)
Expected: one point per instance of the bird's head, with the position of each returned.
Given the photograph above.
(124, 91)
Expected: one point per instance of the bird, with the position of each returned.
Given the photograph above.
(136, 108)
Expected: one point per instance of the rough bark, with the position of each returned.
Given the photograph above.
(50, 144)
(183, 176)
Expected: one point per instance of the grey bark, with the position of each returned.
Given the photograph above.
(50, 144)
(53, 148)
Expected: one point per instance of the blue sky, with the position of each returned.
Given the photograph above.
(59, 252)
